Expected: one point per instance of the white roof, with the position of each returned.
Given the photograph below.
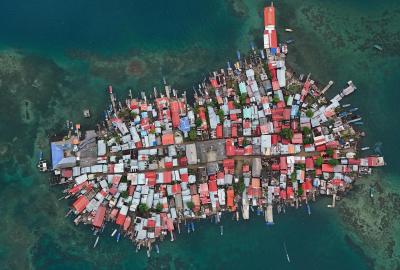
(101, 148)
(81, 178)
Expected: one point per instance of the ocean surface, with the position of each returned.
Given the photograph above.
(57, 58)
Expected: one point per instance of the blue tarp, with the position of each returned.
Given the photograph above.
(57, 154)
(184, 124)
(294, 111)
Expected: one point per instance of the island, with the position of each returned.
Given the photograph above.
(253, 137)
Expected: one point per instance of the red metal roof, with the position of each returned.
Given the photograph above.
(219, 131)
(289, 192)
(99, 218)
(167, 177)
(229, 163)
(168, 139)
(80, 204)
(230, 196)
(283, 163)
(269, 16)
(282, 194)
(175, 113)
(273, 39)
(214, 83)
(309, 163)
(212, 186)
(120, 219)
(327, 168)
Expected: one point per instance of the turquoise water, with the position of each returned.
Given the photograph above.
(57, 59)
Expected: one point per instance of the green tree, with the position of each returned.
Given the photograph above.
(275, 100)
(300, 191)
(196, 108)
(309, 113)
(237, 104)
(192, 135)
(143, 208)
(268, 72)
(239, 186)
(287, 133)
(293, 177)
(124, 194)
(308, 140)
(306, 131)
(124, 179)
(243, 98)
(190, 205)
(159, 207)
(133, 115)
(329, 152)
(221, 115)
(319, 161)
(211, 91)
(333, 162)
(245, 142)
(198, 122)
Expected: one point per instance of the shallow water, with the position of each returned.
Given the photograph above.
(60, 58)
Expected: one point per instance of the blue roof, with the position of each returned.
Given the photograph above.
(294, 111)
(184, 124)
(57, 154)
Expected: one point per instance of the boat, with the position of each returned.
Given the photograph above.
(118, 236)
(289, 41)
(42, 164)
(359, 123)
(365, 148)
(252, 46)
(378, 47)
(287, 254)
(221, 229)
(113, 233)
(288, 30)
(371, 191)
(238, 54)
(346, 105)
(157, 249)
(192, 226)
(245, 206)
(353, 109)
(308, 209)
(96, 242)
(269, 217)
